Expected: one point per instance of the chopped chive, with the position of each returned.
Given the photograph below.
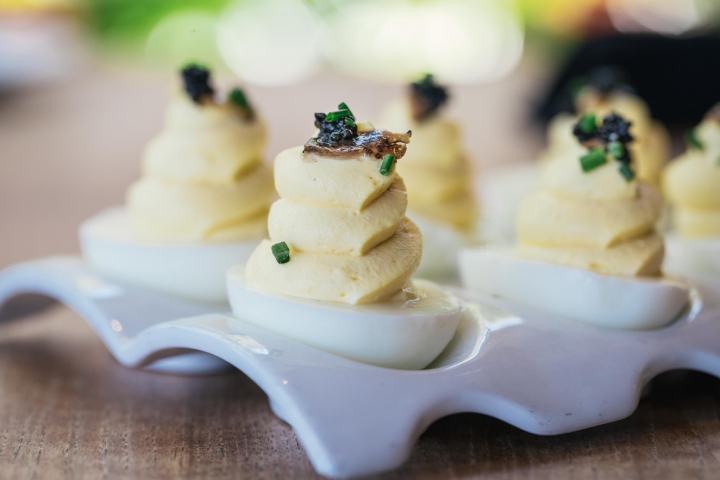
(387, 164)
(343, 106)
(588, 123)
(281, 252)
(334, 116)
(593, 159)
(626, 171)
(238, 98)
(692, 140)
(616, 149)
(349, 122)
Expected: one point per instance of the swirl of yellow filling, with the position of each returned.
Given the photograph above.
(436, 170)
(594, 220)
(203, 177)
(345, 225)
(692, 184)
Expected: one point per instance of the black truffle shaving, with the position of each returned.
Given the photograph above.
(337, 133)
(197, 82)
(614, 128)
(426, 98)
(582, 135)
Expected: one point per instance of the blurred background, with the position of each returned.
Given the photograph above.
(83, 83)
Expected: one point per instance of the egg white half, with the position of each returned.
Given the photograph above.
(193, 271)
(398, 333)
(629, 303)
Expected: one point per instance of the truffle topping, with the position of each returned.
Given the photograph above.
(339, 137)
(197, 82)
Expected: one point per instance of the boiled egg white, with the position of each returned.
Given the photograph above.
(628, 303)
(194, 271)
(407, 331)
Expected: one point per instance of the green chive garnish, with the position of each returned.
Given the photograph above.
(333, 116)
(343, 106)
(238, 98)
(349, 122)
(616, 149)
(626, 172)
(692, 141)
(387, 164)
(594, 158)
(588, 123)
(281, 252)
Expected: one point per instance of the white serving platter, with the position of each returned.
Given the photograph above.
(544, 375)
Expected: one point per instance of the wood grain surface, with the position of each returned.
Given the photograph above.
(69, 411)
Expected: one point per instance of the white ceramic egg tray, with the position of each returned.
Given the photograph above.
(544, 375)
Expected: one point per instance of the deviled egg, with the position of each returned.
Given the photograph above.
(201, 204)
(587, 249)
(336, 271)
(692, 187)
(438, 176)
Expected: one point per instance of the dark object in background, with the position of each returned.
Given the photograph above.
(677, 77)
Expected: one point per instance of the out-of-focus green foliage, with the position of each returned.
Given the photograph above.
(131, 20)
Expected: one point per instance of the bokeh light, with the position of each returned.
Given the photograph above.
(269, 42)
(663, 16)
(460, 41)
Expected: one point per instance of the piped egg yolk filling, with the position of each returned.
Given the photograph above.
(595, 220)
(203, 177)
(692, 185)
(344, 223)
(436, 170)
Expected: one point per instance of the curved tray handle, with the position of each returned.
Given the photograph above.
(544, 375)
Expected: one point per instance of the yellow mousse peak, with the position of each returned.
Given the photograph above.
(342, 216)
(692, 182)
(651, 147)
(589, 214)
(203, 174)
(436, 171)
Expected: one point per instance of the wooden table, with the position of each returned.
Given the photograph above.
(68, 410)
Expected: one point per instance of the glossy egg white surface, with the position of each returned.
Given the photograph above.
(193, 271)
(603, 300)
(401, 334)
